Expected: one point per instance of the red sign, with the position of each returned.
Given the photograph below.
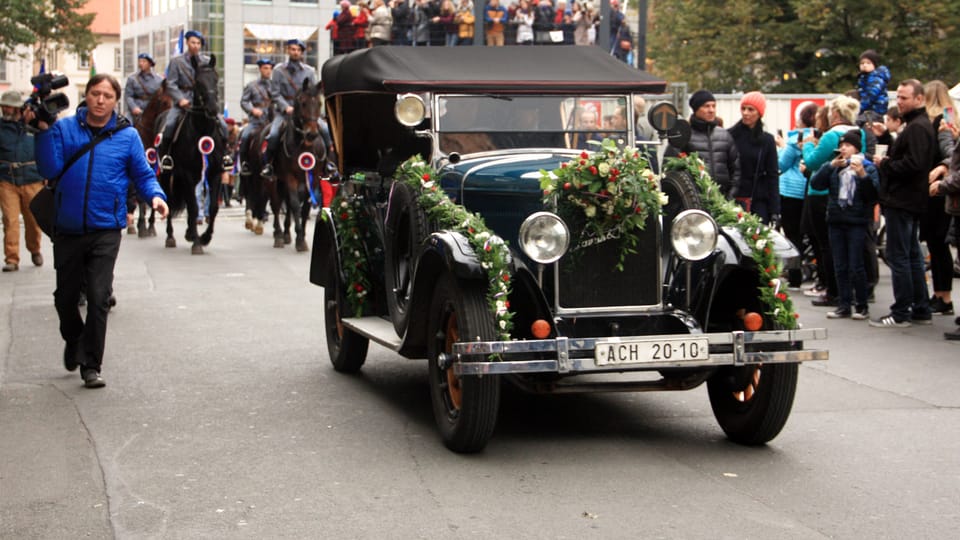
(797, 105)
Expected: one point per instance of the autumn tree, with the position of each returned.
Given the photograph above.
(44, 23)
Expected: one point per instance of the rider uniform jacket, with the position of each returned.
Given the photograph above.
(139, 89)
(288, 79)
(86, 198)
(259, 94)
(181, 76)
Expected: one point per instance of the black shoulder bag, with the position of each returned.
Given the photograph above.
(43, 205)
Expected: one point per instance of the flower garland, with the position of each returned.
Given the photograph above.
(729, 214)
(350, 231)
(492, 252)
(610, 192)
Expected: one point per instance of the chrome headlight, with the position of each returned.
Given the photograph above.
(544, 237)
(410, 110)
(693, 235)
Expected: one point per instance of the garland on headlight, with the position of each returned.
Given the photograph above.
(492, 252)
(757, 235)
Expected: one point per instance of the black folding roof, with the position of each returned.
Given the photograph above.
(537, 69)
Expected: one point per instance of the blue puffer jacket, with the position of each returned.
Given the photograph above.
(92, 194)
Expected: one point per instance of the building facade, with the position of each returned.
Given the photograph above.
(238, 32)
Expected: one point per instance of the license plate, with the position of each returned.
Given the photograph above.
(643, 351)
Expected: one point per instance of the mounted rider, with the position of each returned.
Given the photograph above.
(180, 80)
(257, 101)
(140, 87)
(288, 79)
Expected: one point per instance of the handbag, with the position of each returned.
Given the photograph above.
(43, 204)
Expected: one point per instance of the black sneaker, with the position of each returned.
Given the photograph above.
(889, 321)
(952, 336)
(70, 356)
(841, 313)
(922, 319)
(861, 314)
(267, 170)
(825, 301)
(92, 378)
(939, 307)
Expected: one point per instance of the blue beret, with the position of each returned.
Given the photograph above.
(297, 42)
(264, 62)
(194, 33)
(147, 57)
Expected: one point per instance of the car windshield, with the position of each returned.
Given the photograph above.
(474, 123)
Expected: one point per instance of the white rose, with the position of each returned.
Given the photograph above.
(760, 243)
(590, 210)
(604, 169)
(664, 199)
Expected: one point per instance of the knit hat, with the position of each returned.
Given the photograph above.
(756, 100)
(872, 56)
(852, 137)
(699, 98)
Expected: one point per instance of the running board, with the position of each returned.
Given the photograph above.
(378, 330)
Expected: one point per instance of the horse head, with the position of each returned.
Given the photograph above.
(205, 97)
(306, 111)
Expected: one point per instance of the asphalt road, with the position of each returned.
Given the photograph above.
(222, 418)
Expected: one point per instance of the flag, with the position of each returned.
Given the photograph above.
(93, 66)
(43, 66)
(226, 111)
(180, 43)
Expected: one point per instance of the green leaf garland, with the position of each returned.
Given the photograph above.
(755, 233)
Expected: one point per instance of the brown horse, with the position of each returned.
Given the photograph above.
(300, 135)
(146, 126)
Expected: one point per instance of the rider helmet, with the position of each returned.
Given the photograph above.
(298, 43)
(196, 34)
(148, 58)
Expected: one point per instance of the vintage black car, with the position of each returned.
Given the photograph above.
(683, 308)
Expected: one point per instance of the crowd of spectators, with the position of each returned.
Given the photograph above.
(451, 23)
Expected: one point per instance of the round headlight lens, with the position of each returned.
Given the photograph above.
(410, 110)
(544, 237)
(693, 235)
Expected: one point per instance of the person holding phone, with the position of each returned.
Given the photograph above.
(793, 184)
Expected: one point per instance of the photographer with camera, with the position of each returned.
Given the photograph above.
(19, 183)
(91, 159)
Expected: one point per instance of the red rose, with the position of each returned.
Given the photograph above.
(566, 185)
(344, 216)
(583, 162)
(358, 287)
(563, 165)
(739, 215)
(506, 278)
(782, 297)
(593, 170)
(766, 250)
(470, 230)
(683, 154)
(614, 172)
(772, 284)
(796, 315)
(426, 177)
(584, 155)
(506, 304)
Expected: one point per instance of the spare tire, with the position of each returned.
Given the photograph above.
(682, 194)
(405, 230)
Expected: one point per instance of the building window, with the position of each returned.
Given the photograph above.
(84, 61)
(117, 60)
(129, 54)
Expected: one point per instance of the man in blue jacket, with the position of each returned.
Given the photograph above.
(91, 212)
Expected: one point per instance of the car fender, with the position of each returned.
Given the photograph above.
(739, 247)
(325, 251)
(444, 251)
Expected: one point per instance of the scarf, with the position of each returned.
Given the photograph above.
(848, 184)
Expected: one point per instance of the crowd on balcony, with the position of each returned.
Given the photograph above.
(452, 23)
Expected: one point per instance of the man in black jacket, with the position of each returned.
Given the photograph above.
(712, 143)
(903, 195)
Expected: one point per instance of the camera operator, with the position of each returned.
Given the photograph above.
(96, 155)
(19, 182)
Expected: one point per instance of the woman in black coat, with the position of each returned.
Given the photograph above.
(759, 190)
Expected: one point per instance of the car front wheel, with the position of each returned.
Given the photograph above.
(465, 408)
(752, 403)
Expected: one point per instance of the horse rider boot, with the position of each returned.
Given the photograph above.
(288, 78)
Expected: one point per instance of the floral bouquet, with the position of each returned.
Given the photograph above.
(608, 193)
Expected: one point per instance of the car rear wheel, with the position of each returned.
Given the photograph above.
(347, 349)
(465, 408)
(405, 231)
(752, 403)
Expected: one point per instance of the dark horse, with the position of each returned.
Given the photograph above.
(300, 135)
(147, 127)
(200, 120)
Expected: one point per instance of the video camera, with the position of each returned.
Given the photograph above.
(44, 103)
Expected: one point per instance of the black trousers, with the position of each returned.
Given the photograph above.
(85, 263)
(791, 214)
(815, 226)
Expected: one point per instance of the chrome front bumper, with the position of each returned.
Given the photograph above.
(576, 356)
